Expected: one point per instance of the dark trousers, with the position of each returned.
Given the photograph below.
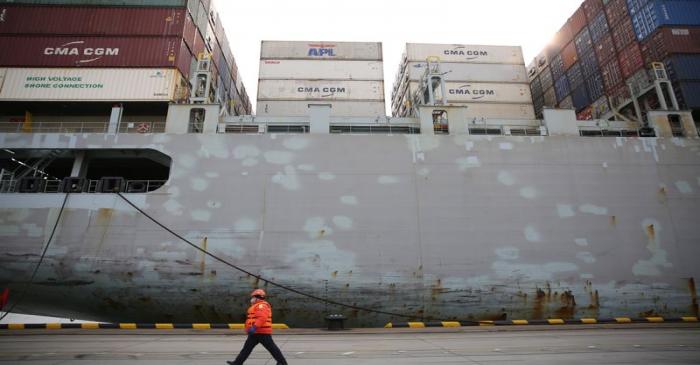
(267, 342)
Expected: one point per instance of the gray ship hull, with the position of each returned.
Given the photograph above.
(435, 227)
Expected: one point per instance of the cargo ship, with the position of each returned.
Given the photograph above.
(460, 206)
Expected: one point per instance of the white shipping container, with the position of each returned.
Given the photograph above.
(473, 92)
(499, 111)
(321, 70)
(86, 84)
(320, 90)
(282, 108)
(317, 50)
(472, 72)
(465, 53)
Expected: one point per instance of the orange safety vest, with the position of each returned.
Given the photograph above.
(260, 315)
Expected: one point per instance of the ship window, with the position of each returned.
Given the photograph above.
(196, 124)
(674, 120)
(440, 122)
(82, 171)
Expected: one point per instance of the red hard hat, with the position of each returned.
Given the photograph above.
(258, 293)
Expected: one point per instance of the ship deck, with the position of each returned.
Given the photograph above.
(609, 344)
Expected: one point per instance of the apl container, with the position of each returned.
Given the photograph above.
(321, 90)
(321, 70)
(465, 53)
(321, 50)
(105, 21)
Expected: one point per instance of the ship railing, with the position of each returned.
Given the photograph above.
(604, 128)
(81, 127)
(506, 127)
(92, 186)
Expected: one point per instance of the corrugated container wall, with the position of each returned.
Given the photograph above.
(321, 50)
(465, 53)
(321, 69)
(649, 15)
(273, 108)
(111, 3)
(474, 72)
(311, 90)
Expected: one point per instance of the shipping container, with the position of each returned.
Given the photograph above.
(589, 64)
(104, 21)
(320, 90)
(561, 88)
(49, 51)
(631, 60)
(583, 41)
(575, 76)
(577, 21)
(282, 108)
(90, 84)
(619, 94)
(690, 94)
(541, 61)
(321, 70)
(472, 92)
(550, 98)
(563, 37)
(683, 67)
(316, 50)
(612, 76)
(579, 97)
(473, 72)
(418, 52)
(600, 108)
(623, 34)
(569, 56)
(649, 15)
(592, 8)
(498, 111)
(605, 49)
(111, 3)
(616, 11)
(667, 41)
(585, 114)
(567, 103)
(546, 79)
(595, 87)
(557, 67)
(599, 27)
(536, 88)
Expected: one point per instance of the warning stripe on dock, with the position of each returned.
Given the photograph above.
(128, 326)
(539, 322)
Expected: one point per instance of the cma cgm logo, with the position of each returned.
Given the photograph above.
(474, 93)
(78, 49)
(470, 54)
(321, 50)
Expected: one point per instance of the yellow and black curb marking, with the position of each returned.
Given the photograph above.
(522, 322)
(131, 326)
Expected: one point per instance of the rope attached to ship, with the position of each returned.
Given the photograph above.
(28, 284)
(273, 283)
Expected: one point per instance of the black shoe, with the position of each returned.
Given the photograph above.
(231, 362)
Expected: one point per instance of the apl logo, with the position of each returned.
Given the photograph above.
(321, 50)
(72, 49)
(469, 54)
(476, 94)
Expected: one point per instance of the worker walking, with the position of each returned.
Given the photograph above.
(258, 325)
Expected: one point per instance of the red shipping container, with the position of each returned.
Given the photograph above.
(563, 37)
(39, 51)
(616, 11)
(184, 60)
(592, 8)
(577, 21)
(624, 34)
(569, 55)
(605, 49)
(631, 60)
(612, 76)
(667, 41)
(111, 21)
(190, 32)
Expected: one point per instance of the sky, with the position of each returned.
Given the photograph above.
(527, 23)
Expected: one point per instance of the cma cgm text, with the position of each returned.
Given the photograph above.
(58, 51)
(452, 52)
(321, 89)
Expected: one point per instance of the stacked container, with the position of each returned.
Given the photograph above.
(348, 76)
(491, 81)
(102, 39)
(614, 43)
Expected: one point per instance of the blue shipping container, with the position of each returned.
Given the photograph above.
(690, 91)
(589, 64)
(575, 75)
(648, 15)
(580, 98)
(557, 66)
(561, 88)
(595, 86)
(599, 27)
(583, 41)
(683, 67)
